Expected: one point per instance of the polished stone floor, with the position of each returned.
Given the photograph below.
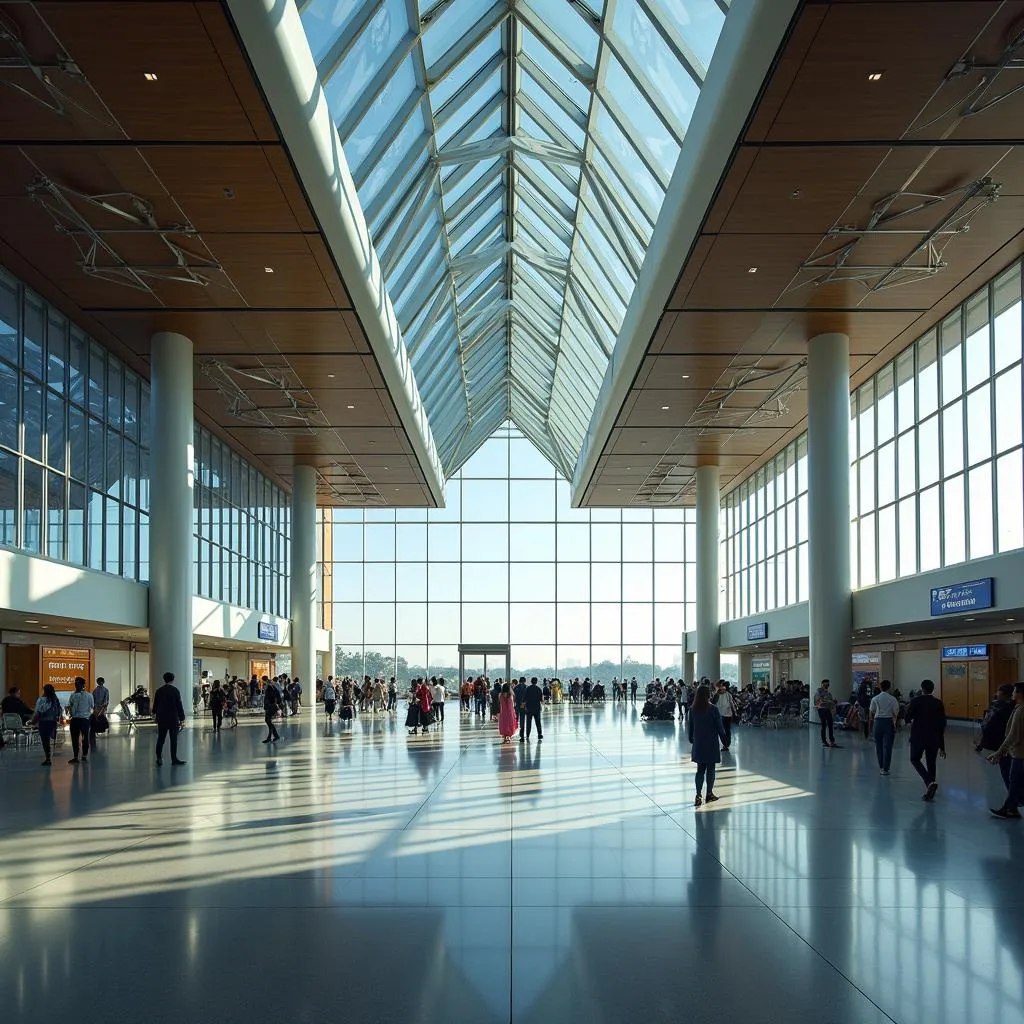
(363, 875)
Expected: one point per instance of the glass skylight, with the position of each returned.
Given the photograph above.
(511, 161)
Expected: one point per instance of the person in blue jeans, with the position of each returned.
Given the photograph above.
(882, 715)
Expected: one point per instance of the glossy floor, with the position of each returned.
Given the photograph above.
(364, 875)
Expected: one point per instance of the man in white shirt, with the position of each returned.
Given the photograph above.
(726, 708)
(80, 706)
(882, 714)
(438, 694)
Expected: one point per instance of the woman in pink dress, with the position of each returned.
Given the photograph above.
(508, 723)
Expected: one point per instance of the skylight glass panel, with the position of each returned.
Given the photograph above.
(509, 261)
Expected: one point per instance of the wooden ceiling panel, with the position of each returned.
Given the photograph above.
(913, 46)
(193, 96)
(682, 372)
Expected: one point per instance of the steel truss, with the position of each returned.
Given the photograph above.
(959, 206)
(98, 257)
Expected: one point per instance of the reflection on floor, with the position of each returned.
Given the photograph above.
(364, 875)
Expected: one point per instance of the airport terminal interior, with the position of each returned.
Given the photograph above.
(446, 446)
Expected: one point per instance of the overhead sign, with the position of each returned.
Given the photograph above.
(757, 631)
(966, 651)
(59, 666)
(866, 658)
(962, 597)
(267, 631)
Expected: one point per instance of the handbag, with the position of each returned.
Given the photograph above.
(101, 723)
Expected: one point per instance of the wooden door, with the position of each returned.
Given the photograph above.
(955, 692)
(978, 688)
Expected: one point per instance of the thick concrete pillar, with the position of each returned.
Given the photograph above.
(746, 668)
(708, 503)
(828, 510)
(170, 512)
(303, 579)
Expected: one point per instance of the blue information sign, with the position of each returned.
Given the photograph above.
(966, 651)
(757, 631)
(962, 597)
(267, 631)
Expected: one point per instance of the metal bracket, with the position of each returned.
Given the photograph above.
(1009, 60)
(296, 410)
(64, 204)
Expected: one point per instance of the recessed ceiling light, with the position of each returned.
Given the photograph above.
(44, 626)
(69, 631)
(898, 633)
(875, 76)
(34, 621)
(349, 406)
(1010, 620)
(968, 620)
(268, 270)
(664, 408)
(330, 376)
(149, 76)
(751, 270)
(686, 376)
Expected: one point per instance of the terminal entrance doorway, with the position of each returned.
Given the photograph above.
(493, 660)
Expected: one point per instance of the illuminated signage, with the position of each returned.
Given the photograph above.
(966, 651)
(757, 631)
(962, 597)
(267, 631)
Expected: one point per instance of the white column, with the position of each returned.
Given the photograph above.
(828, 511)
(303, 579)
(746, 667)
(170, 512)
(708, 655)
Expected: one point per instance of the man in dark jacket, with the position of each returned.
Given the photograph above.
(170, 717)
(533, 698)
(926, 716)
(993, 728)
(519, 698)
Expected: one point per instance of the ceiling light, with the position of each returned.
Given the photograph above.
(898, 633)
(149, 76)
(1010, 620)
(968, 620)
(330, 376)
(686, 376)
(34, 621)
(664, 408)
(349, 406)
(875, 76)
(751, 270)
(268, 270)
(69, 631)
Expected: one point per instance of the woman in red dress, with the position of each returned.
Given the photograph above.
(508, 723)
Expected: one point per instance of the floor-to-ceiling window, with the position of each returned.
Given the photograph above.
(597, 592)
(936, 471)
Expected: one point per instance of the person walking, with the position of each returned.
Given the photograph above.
(330, 698)
(170, 718)
(46, 717)
(825, 704)
(1012, 745)
(80, 705)
(704, 729)
(425, 700)
(271, 703)
(726, 708)
(519, 692)
(533, 700)
(217, 701)
(392, 696)
(632, 689)
(508, 723)
(926, 716)
(438, 694)
(993, 728)
(882, 715)
(864, 696)
(100, 705)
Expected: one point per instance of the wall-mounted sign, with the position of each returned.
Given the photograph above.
(962, 597)
(60, 665)
(757, 631)
(760, 671)
(267, 631)
(866, 658)
(966, 651)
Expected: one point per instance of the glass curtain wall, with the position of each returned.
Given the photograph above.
(598, 592)
(241, 530)
(74, 442)
(936, 473)
(74, 466)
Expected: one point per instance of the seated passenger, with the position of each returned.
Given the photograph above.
(12, 704)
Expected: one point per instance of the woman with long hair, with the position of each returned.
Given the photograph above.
(704, 729)
(47, 714)
(508, 723)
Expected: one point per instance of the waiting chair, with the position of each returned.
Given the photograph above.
(13, 726)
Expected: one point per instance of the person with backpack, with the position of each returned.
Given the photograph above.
(217, 701)
(993, 728)
(704, 729)
(46, 716)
